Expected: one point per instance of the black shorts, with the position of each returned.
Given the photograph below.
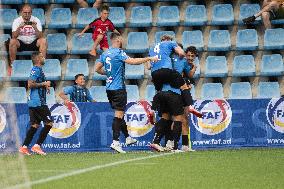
(117, 99)
(167, 76)
(38, 114)
(28, 47)
(168, 102)
(279, 14)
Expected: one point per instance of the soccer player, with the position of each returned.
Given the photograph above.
(162, 71)
(100, 28)
(169, 105)
(38, 110)
(77, 92)
(113, 60)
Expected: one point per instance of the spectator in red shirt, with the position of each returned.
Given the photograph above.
(100, 28)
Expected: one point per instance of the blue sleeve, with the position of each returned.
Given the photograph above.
(100, 59)
(68, 90)
(187, 68)
(173, 44)
(34, 74)
(89, 97)
(123, 56)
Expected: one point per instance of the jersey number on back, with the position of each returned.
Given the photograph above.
(108, 69)
(157, 48)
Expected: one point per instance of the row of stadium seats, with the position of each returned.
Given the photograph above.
(215, 66)
(219, 40)
(71, 1)
(240, 90)
(141, 16)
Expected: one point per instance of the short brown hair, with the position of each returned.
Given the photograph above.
(104, 7)
(114, 35)
(166, 37)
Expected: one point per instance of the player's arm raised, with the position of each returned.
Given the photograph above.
(136, 61)
(179, 51)
(84, 30)
(99, 68)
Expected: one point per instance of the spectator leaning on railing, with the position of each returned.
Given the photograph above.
(271, 9)
(26, 35)
(84, 4)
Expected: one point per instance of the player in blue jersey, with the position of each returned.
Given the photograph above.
(112, 64)
(169, 104)
(77, 92)
(162, 72)
(38, 110)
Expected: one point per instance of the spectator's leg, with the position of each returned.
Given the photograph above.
(274, 5)
(266, 20)
(97, 4)
(265, 3)
(42, 44)
(96, 43)
(82, 3)
(13, 46)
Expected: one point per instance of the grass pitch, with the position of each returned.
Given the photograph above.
(222, 169)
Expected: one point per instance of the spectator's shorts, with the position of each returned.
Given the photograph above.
(103, 43)
(279, 14)
(28, 47)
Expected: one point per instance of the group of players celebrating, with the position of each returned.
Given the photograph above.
(172, 69)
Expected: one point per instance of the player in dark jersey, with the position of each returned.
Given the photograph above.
(77, 92)
(162, 72)
(100, 28)
(169, 104)
(38, 110)
(113, 60)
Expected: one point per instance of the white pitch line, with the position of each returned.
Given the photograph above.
(81, 171)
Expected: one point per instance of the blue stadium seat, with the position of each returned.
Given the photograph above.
(19, 2)
(21, 70)
(117, 1)
(222, 14)
(57, 43)
(240, 90)
(211, 91)
(142, 1)
(247, 40)
(64, 1)
(117, 16)
(39, 13)
(192, 91)
(193, 38)
(82, 45)
(60, 18)
(15, 95)
(3, 70)
(247, 10)
(141, 16)
(52, 69)
(271, 65)
(268, 90)
(7, 17)
(132, 93)
(219, 40)
(38, 1)
(274, 39)
(50, 97)
(134, 71)
(150, 93)
(99, 93)
(168, 16)
(86, 16)
(76, 66)
(243, 66)
(159, 34)
(216, 66)
(195, 15)
(137, 42)
(3, 39)
(277, 21)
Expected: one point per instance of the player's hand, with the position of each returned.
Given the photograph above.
(154, 58)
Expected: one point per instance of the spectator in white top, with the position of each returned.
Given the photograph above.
(26, 34)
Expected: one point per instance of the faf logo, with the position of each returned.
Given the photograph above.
(66, 120)
(275, 114)
(136, 118)
(3, 120)
(217, 115)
